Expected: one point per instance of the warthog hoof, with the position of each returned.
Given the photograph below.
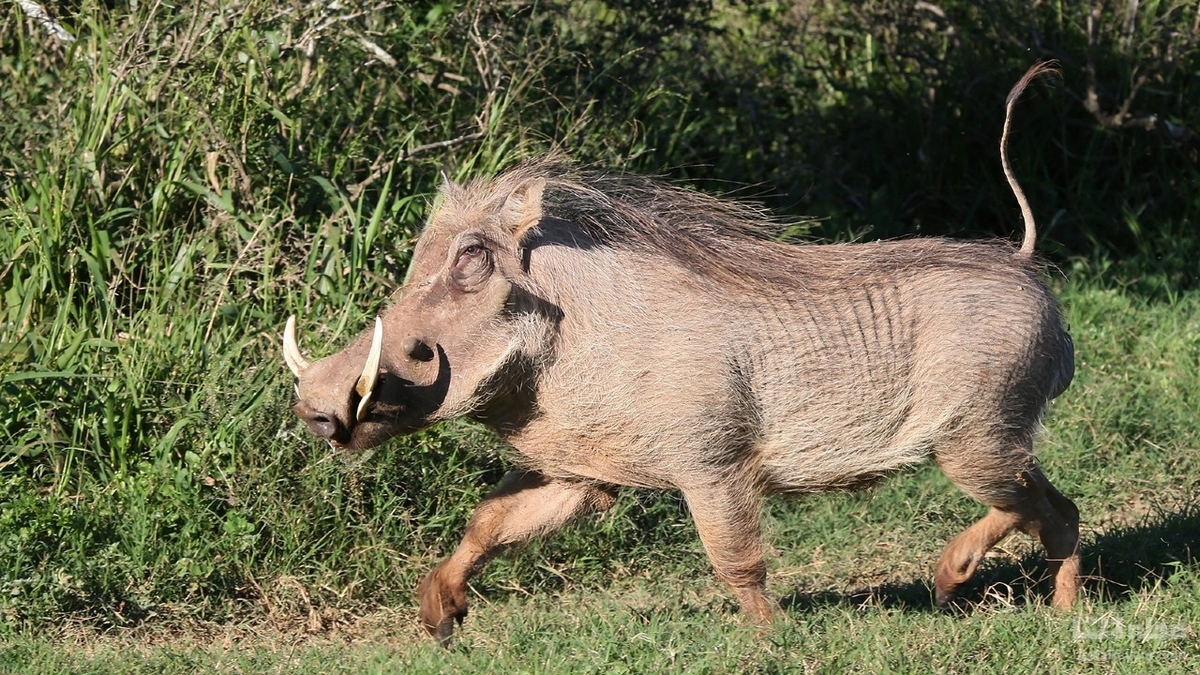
(948, 600)
(443, 604)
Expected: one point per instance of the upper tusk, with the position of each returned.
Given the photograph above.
(291, 353)
(370, 374)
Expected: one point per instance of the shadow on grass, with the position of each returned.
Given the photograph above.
(1117, 565)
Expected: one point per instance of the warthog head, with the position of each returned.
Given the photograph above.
(459, 322)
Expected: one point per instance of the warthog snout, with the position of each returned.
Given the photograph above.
(322, 424)
(322, 418)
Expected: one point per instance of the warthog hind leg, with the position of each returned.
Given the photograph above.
(1026, 501)
(1056, 525)
(963, 555)
(525, 505)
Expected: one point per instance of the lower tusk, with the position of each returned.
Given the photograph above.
(291, 352)
(370, 375)
(362, 407)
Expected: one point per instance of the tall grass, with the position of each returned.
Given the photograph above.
(182, 177)
(169, 204)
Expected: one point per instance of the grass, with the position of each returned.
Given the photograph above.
(674, 626)
(182, 177)
(683, 631)
(642, 625)
(851, 570)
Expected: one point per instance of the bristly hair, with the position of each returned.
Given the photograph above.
(716, 237)
(724, 239)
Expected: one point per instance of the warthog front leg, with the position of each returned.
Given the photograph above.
(727, 517)
(525, 505)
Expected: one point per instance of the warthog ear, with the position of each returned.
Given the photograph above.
(523, 209)
(449, 189)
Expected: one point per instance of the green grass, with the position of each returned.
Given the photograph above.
(642, 626)
(180, 179)
(851, 570)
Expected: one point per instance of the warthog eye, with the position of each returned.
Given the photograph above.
(468, 254)
(472, 266)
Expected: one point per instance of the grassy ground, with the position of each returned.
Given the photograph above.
(851, 570)
(643, 626)
(183, 176)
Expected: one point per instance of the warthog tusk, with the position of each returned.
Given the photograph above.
(291, 353)
(370, 374)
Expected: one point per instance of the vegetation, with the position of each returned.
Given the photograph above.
(181, 177)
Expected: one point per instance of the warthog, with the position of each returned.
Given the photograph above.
(616, 330)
